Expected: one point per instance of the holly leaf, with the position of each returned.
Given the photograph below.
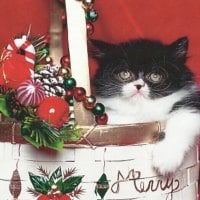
(70, 184)
(56, 176)
(40, 183)
(4, 109)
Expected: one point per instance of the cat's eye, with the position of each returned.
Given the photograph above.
(154, 77)
(125, 75)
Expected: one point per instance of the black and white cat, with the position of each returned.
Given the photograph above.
(146, 80)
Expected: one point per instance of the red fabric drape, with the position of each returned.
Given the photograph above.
(119, 20)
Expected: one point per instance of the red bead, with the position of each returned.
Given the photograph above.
(69, 94)
(101, 119)
(79, 94)
(90, 102)
(90, 28)
(64, 18)
(65, 61)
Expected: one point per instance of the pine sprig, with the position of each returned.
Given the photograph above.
(40, 133)
(69, 172)
(33, 192)
(78, 192)
(43, 172)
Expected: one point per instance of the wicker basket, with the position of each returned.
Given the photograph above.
(121, 152)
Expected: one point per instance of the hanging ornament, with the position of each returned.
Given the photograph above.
(102, 186)
(30, 93)
(15, 184)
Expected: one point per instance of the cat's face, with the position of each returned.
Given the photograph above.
(141, 68)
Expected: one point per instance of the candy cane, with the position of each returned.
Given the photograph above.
(22, 44)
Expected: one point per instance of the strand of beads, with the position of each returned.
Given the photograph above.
(91, 15)
(79, 94)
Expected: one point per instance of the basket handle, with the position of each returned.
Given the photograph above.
(77, 41)
(56, 47)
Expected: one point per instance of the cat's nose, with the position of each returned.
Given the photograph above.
(138, 86)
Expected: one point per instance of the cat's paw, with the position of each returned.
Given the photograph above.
(166, 159)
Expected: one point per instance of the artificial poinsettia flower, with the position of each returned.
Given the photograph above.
(14, 69)
(54, 110)
(54, 197)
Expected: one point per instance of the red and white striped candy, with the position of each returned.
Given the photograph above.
(20, 44)
(30, 93)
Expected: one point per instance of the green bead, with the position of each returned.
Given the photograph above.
(91, 15)
(98, 109)
(69, 83)
(70, 101)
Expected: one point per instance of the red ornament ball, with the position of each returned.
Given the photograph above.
(30, 93)
(101, 119)
(79, 94)
(69, 94)
(54, 110)
(65, 61)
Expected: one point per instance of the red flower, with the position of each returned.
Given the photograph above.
(54, 110)
(14, 69)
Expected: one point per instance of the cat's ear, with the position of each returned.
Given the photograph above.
(179, 49)
(98, 48)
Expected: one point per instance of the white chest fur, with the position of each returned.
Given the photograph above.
(126, 110)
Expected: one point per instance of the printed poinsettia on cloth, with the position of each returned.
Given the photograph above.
(40, 94)
(57, 185)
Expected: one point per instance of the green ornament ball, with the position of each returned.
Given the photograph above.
(70, 101)
(91, 15)
(69, 83)
(98, 109)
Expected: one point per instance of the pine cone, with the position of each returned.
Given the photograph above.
(51, 80)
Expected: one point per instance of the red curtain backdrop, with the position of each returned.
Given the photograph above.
(118, 20)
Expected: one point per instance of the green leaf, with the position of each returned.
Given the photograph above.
(4, 109)
(70, 184)
(40, 183)
(56, 176)
(40, 133)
